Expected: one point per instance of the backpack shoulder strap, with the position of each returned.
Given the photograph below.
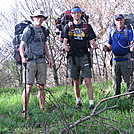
(45, 31)
(43, 28)
(71, 26)
(126, 32)
(85, 26)
(32, 34)
(113, 29)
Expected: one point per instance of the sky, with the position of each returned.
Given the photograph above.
(5, 4)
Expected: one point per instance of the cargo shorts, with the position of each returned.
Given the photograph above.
(82, 67)
(35, 70)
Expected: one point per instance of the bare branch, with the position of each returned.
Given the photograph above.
(96, 113)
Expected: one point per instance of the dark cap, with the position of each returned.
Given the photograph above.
(118, 16)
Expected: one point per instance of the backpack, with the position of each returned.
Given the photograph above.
(129, 24)
(19, 28)
(65, 18)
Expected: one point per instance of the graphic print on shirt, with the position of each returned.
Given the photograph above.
(39, 37)
(77, 33)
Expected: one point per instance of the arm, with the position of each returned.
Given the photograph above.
(108, 47)
(92, 37)
(21, 48)
(66, 46)
(48, 55)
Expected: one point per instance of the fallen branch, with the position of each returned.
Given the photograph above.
(96, 113)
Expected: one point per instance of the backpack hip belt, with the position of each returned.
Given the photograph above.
(31, 56)
(120, 57)
(35, 57)
(78, 52)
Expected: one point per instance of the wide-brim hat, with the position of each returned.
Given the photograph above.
(39, 12)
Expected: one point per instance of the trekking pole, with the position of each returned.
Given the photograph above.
(66, 76)
(97, 62)
(25, 66)
(106, 67)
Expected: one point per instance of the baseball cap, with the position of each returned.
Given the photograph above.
(118, 16)
(39, 12)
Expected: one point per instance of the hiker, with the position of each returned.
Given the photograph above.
(120, 47)
(76, 44)
(35, 59)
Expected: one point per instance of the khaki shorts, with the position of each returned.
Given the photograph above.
(35, 70)
(82, 66)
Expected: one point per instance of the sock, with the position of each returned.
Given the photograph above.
(91, 102)
(78, 99)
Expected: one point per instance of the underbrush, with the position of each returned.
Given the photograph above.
(59, 112)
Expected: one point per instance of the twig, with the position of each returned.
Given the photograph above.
(58, 107)
(107, 119)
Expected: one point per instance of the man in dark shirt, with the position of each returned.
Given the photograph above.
(79, 38)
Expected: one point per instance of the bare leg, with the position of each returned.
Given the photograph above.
(89, 88)
(90, 92)
(76, 88)
(77, 93)
(41, 95)
(25, 97)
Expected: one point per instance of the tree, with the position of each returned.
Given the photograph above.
(100, 14)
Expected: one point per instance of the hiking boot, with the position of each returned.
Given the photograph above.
(91, 106)
(78, 104)
(24, 114)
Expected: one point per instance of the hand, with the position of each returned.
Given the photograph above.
(105, 48)
(95, 46)
(132, 48)
(50, 64)
(24, 60)
(67, 48)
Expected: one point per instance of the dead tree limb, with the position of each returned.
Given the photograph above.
(95, 112)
